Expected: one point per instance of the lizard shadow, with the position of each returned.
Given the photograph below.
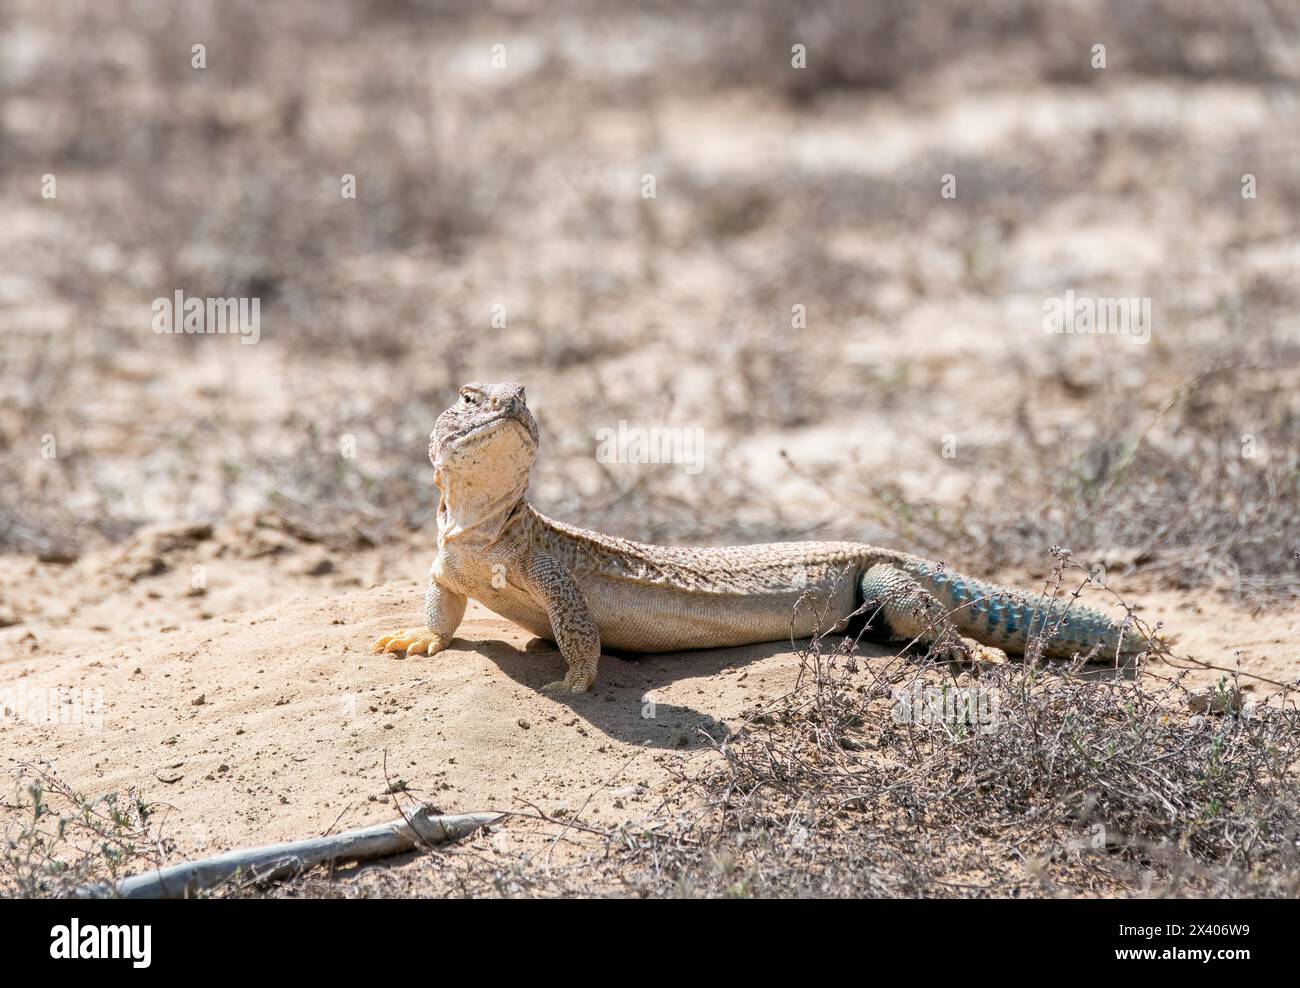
(623, 704)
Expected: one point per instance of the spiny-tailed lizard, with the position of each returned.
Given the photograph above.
(583, 590)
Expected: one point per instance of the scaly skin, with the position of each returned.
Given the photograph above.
(581, 589)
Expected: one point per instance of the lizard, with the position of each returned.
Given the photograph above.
(584, 591)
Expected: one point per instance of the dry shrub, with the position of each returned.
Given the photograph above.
(1202, 492)
(67, 840)
(1079, 787)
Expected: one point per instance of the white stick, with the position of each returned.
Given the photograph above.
(286, 860)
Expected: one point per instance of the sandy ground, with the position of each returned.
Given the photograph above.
(233, 655)
(271, 719)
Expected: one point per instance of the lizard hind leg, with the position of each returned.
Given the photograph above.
(910, 613)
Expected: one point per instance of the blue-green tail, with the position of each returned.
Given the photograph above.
(1010, 619)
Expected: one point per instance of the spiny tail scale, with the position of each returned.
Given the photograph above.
(1009, 618)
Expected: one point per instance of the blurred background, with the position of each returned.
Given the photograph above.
(863, 356)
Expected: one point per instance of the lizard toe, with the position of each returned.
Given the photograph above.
(395, 644)
(988, 655)
(969, 652)
(571, 683)
(427, 645)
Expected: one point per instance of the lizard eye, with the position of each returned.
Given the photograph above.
(468, 398)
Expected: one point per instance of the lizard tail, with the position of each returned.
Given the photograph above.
(1009, 619)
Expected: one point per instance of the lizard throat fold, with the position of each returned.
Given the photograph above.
(481, 487)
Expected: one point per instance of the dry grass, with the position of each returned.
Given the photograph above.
(1080, 788)
(1108, 496)
(69, 840)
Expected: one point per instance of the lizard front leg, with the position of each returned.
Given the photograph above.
(443, 610)
(575, 631)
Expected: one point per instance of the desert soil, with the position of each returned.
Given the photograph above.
(256, 711)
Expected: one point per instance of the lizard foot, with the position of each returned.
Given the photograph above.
(574, 683)
(411, 642)
(969, 652)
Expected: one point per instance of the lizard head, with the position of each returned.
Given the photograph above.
(486, 422)
(482, 449)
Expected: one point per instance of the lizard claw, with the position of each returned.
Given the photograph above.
(382, 643)
(574, 684)
(989, 655)
(967, 651)
(410, 643)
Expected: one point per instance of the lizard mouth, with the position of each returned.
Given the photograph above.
(481, 431)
